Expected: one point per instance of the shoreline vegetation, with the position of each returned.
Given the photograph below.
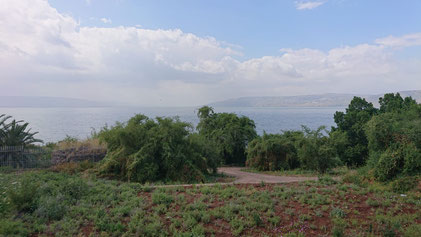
(369, 168)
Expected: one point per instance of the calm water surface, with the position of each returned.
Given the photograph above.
(53, 124)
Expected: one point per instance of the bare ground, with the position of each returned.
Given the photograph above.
(243, 177)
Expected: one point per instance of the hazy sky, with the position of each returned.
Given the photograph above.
(192, 52)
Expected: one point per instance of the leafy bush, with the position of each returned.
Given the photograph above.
(390, 162)
(396, 160)
(74, 188)
(23, 197)
(145, 150)
(229, 133)
(273, 152)
(12, 228)
(51, 207)
(315, 151)
(404, 184)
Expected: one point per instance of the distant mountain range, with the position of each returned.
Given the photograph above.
(322, 100)
(45, 102)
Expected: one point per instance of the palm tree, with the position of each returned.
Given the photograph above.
(15, 133)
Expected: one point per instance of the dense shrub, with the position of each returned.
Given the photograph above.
(145, 150)
(394, 142)
(229, 133)
(51, 207)
(315, 151)
(273, 152)
(24, 195)
(404, 184)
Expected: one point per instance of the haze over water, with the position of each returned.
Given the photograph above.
(53, 124)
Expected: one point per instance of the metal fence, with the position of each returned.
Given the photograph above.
(20, 157)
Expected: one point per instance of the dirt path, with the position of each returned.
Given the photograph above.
(243, 177)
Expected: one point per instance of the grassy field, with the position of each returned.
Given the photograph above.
(46, 203)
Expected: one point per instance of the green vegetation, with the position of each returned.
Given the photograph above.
(375, 151)
(145, 150)
(15, 133)
(272, 152)
(228, 133)
(307, 150)
(44, 203)
(386, 141)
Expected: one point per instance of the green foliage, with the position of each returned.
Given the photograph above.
(387, 139)
(23, 195)
(15, 133)
(51, 207)
(159, 197)
(404, 184)
(352, 146)
(315, 151)
(12, 228)
(395, 103)
(272, 152)
(394, 143)
(228, 133)
(145, 150)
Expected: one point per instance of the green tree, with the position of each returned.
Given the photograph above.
(395, 103)
(16, 133)
(228, 132)
(353, 151)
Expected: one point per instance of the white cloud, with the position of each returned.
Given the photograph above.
(44, 52)
(106, 20)
(308, 5)
(404, 41)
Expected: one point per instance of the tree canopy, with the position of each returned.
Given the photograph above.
(229, 133)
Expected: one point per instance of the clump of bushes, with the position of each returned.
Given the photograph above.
(272, 152)
(228, 133)
(307, 149)
(147, 150)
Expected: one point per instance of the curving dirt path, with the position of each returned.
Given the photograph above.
(243, 177)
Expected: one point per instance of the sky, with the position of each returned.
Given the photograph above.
(194, 52)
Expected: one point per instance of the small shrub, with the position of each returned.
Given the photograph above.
(373, 202)
(337, 212)
(74, 188)
(23, 197)
(51, 208)
(257, 220)
(162, 198)
(12, 228)
(412, 230)
(352, 177)
(404, 184)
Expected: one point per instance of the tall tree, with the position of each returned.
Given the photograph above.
(351, 124)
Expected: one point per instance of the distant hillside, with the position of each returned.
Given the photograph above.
(35, 101)
(323, 100)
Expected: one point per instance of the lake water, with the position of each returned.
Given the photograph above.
(53, 124)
